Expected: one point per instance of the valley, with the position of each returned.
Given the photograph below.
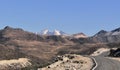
(43, 50)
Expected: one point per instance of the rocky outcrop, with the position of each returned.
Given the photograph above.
(115, 52)
(70, 62)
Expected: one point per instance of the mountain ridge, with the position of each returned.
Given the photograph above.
(108, 36)
(41, 50)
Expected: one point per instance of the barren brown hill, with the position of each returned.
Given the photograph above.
(16, 43)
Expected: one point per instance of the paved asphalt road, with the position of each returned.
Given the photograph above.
(106, 64)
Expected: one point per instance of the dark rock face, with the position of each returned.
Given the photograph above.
(101, 33)
(116, 30)
(115, 53)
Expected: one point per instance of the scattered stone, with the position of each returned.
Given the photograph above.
(70, 62)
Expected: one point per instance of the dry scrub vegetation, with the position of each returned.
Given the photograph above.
(14, 64)
(70, 62)
(41, 50)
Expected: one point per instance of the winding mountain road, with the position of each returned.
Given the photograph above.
(104, 63)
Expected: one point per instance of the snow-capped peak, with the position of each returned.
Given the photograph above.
(44, 32)
(56, 32)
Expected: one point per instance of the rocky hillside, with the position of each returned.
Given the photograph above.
(9, 33)
(16, 43)
(102, 36)
(70, 62)
(107, 36)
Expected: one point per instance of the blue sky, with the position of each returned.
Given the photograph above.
(70, 16)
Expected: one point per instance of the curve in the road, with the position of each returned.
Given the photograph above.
(95, 63)
(106, 64)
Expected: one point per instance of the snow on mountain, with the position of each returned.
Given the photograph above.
(55, 32)
(108, 36)
(108, 33)
(44, 32)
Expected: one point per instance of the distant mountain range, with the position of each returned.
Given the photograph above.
(46, 32)
(102, 36)
(41, 48)
(109, 33)
(107, 36)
